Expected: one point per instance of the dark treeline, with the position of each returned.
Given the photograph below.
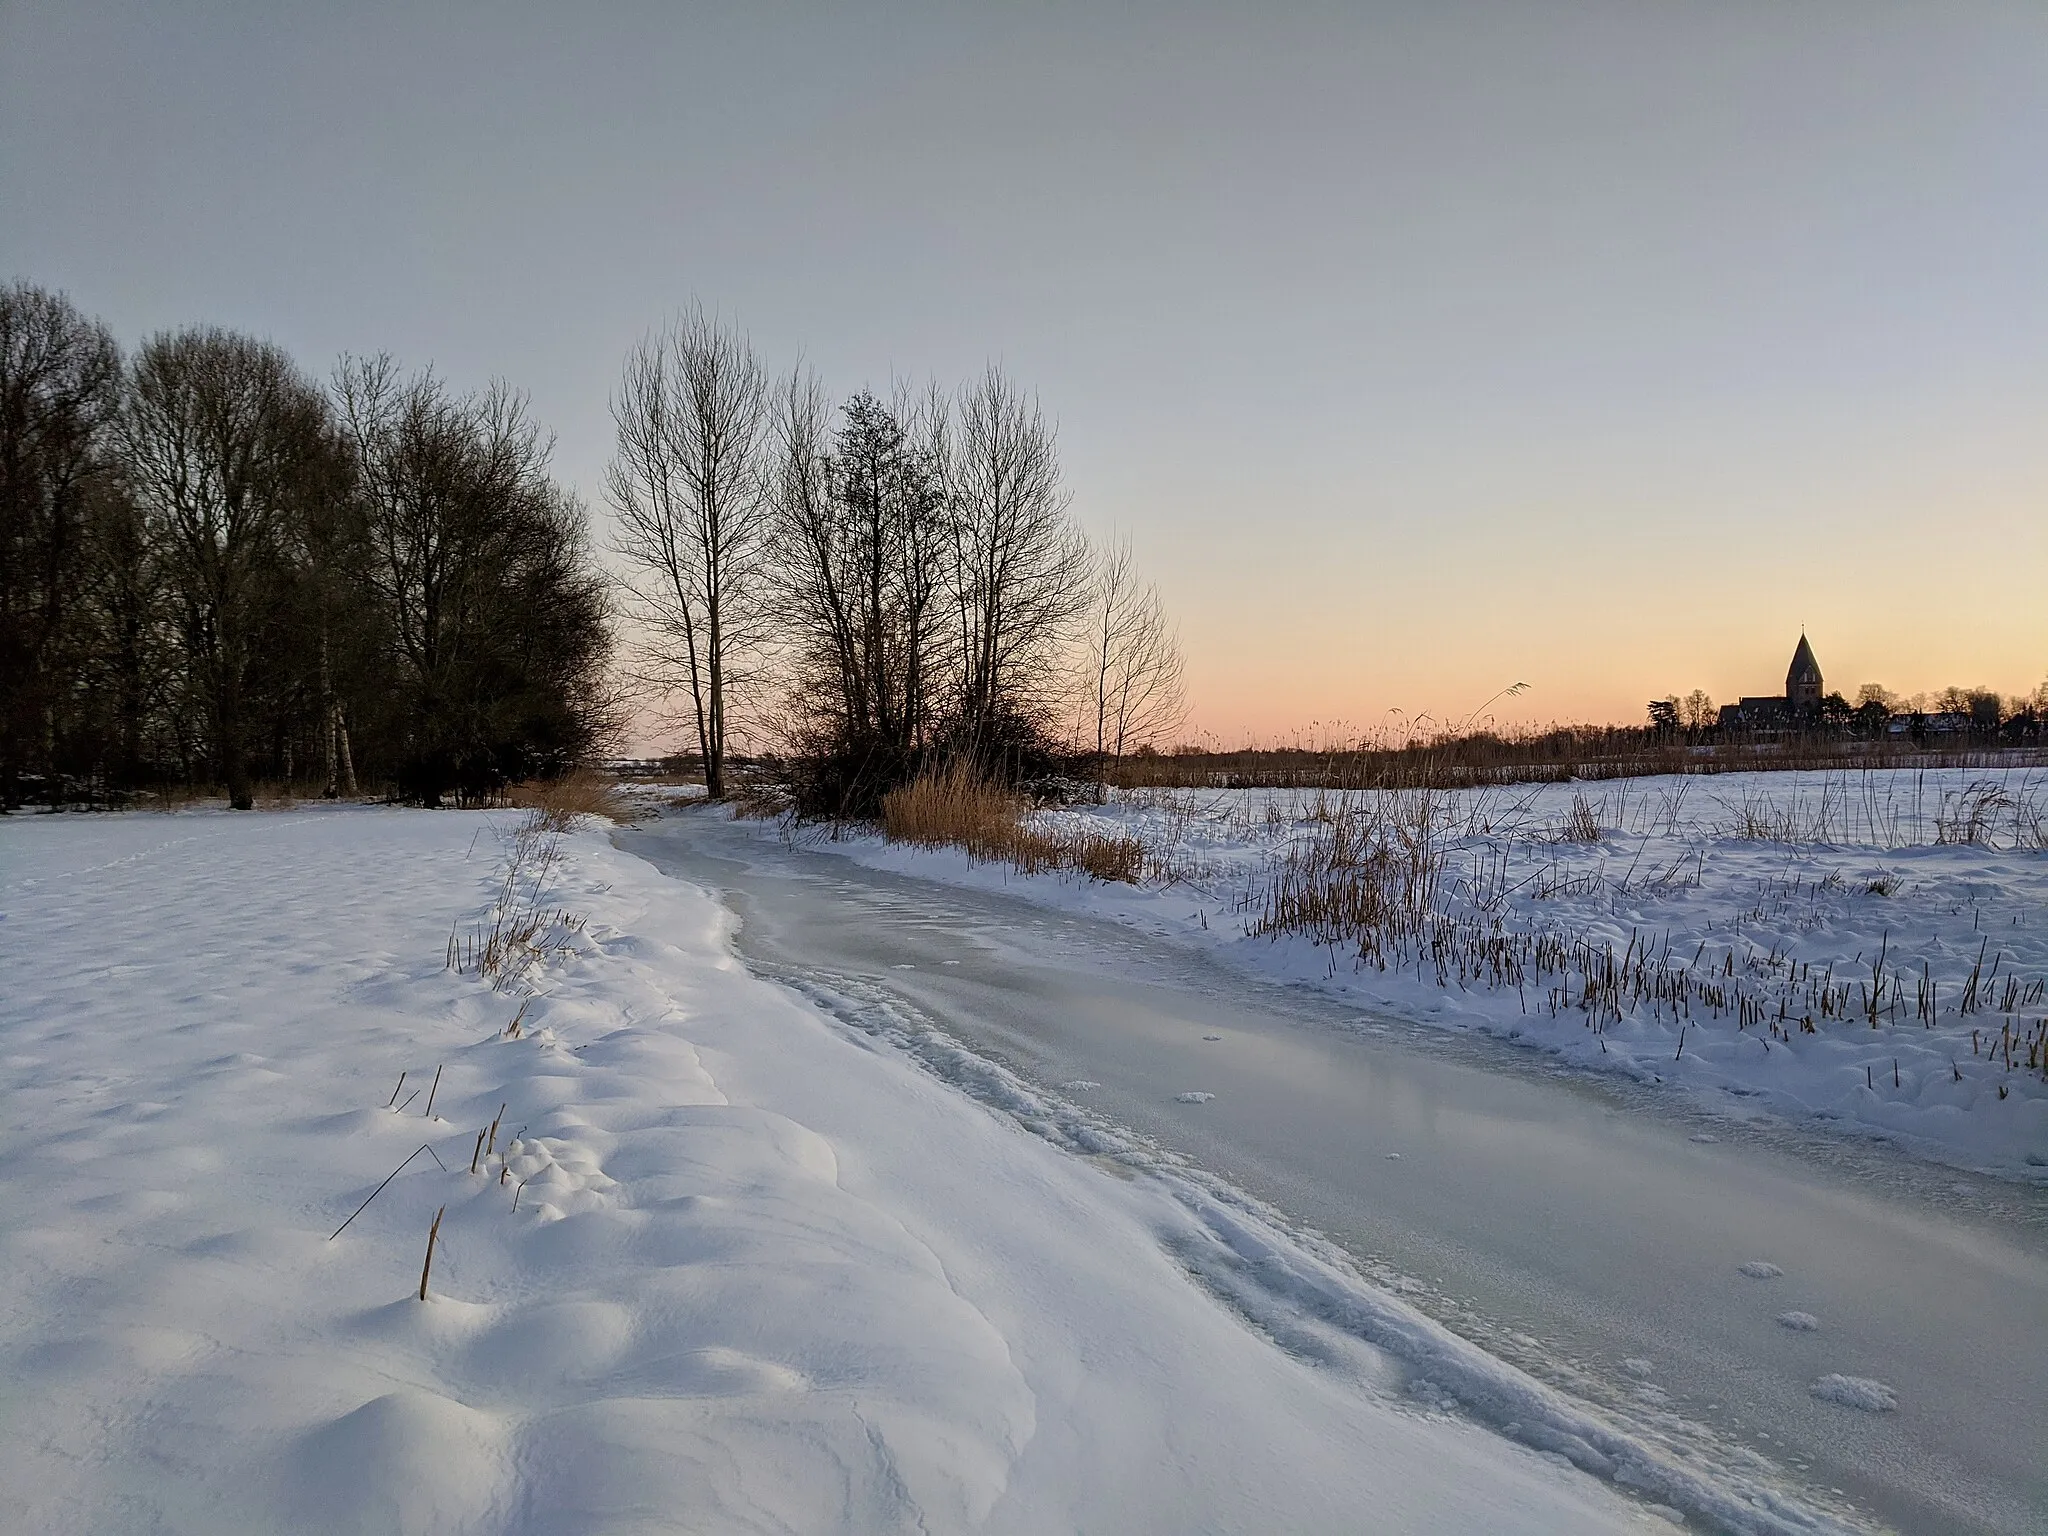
(215, 571)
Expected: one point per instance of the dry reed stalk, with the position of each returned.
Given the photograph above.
(394, 1173)
(433, 1233)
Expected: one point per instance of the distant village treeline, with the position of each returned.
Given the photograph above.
(1807, 709)
(1804, 727)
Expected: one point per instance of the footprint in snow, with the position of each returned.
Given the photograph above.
(1393, 1157)
(1757, 1269)
(1212, 1037)
(1858, 1392)
(1704, 1139)
(1193, 1098)
(1798, 1322)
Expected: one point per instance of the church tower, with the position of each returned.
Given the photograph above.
(1802, 681)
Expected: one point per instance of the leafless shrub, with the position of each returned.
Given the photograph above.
(760, 799)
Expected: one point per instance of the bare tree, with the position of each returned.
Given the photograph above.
(687, 484)
(861, 558)
(496, 623)
(60, 381)
(1019, 567)
(1134, 659)
(217, 434)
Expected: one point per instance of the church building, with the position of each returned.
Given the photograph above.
(1801, 700)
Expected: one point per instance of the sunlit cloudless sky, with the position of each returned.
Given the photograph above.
(1421, 349)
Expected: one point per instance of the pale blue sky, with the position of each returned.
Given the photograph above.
(1422, 348)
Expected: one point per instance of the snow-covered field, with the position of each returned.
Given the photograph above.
(725, 1265)
(1746, 919)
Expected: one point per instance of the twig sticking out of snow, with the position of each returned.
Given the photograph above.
(429, 1112)
(394, 1173)
(433, 1232)
(396, 1091)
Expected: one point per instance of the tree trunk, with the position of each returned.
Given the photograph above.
(345, 756)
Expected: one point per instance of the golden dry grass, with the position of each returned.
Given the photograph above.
(581, 793)
(952, 807)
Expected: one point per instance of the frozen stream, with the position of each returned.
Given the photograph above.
(1573, 1225)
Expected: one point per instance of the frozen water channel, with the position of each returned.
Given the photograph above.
(1705, 1284)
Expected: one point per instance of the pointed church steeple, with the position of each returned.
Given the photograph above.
(1802, 679)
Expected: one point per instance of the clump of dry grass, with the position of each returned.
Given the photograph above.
(953, 807)
(581, 793)
(1369, 876)
(1581, 824)
(522, 929)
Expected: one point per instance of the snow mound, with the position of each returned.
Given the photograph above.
(1858, 1392)
(1760, 1269)
(1798, 1322)
(1193, 1098)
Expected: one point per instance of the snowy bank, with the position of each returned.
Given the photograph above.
(725, 1265)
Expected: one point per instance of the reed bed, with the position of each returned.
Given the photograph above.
(954, 807)
(558, 802)
(1370, 876)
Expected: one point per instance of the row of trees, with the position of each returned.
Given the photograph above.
(1876, 707)
(877, 587)
(213, 569)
